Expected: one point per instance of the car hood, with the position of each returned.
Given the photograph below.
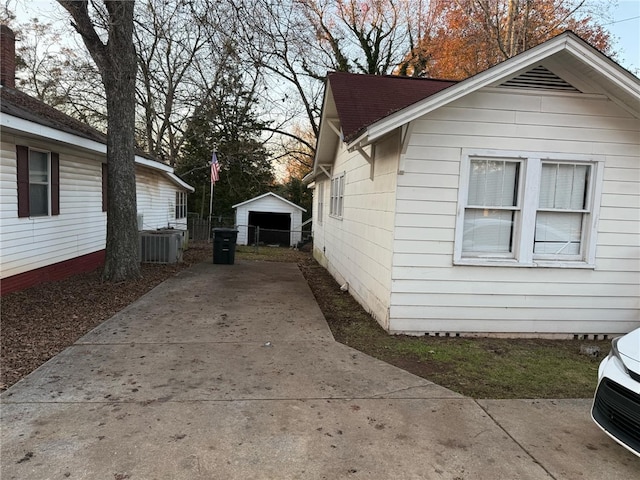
(629, 348)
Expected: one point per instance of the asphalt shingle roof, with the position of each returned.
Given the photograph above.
(361, 100)
(18, 104)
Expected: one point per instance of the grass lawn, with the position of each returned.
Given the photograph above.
(476, 367)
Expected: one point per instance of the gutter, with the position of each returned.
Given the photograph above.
(32, 129)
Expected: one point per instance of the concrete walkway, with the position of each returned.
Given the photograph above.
(231, 372)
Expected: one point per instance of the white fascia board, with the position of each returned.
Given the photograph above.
(268, 194)
(153, 164)
(250, 200)
(465, 87)
(26, 127)
(176, 179)
(620, 77)
(165, 169)
(361, 141)
(328, 94)
(309, 177)
(567, 42)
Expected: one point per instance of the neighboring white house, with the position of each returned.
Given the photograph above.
(279, 220)
(53, 192)
(505, 204)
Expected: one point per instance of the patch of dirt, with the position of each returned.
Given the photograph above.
(41, 321)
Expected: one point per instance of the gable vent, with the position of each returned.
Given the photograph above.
(540, 78)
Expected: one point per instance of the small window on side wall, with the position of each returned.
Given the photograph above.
(336, 205)
(38, 178)
(320, 192)
(181, 205)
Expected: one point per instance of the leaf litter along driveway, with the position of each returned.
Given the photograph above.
(40, 322)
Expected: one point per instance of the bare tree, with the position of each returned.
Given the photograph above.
(108, 35)
(295, 43)
(364, 37)
(56, 73)
(177, 44)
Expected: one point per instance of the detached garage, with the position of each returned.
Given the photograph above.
(279, 220)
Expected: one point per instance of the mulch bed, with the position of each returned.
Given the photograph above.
(40, 322)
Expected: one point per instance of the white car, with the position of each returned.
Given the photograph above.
(616, 405)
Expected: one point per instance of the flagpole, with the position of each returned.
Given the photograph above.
(214, 178)
(211, 207)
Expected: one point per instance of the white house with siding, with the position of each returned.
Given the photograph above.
(505, 204)
(279, 219)
(53, 192)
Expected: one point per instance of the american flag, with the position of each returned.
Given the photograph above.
(215, 168)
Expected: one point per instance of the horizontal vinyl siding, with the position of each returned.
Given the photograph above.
(431, 295)
(357, 247)
(36, 242)
(80, 229)
(156, 200)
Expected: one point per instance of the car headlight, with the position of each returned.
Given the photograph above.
(615, 355)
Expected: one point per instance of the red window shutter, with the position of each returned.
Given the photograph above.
(55, 184)
(104, 187)
(22, 156)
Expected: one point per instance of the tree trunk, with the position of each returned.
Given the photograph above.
(116, 61)
(119, 82)
(122, 231)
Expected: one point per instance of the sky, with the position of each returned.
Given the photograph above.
(624, 26)
(626, 29)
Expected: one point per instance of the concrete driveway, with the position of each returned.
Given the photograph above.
(231, 372)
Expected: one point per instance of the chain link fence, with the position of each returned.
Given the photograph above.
(254, 235)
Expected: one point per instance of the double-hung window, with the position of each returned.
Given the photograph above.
(563, 206)
(492, 208)
(181, 205)
(320, 192)
(38, 176)
(337, 195)
(526, 209)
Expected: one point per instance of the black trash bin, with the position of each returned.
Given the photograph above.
(224, 245)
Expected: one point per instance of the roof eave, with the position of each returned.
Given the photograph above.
(28, 128)
(567, 41)
(322, 139)
(268, 194)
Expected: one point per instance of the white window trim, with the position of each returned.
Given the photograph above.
(529, 193)
(336, 199)
(321, 206)
(181, 203)
(47, 183)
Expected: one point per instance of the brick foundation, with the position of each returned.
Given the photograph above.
(57, 271)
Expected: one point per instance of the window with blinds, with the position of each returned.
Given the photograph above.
(320, 193)
(562, 206)
(38, 183)
(492, 206)
(337, 196)
(525, 209)
(181, 205)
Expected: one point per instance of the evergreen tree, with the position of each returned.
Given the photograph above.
(227, 123)
(294, 190)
